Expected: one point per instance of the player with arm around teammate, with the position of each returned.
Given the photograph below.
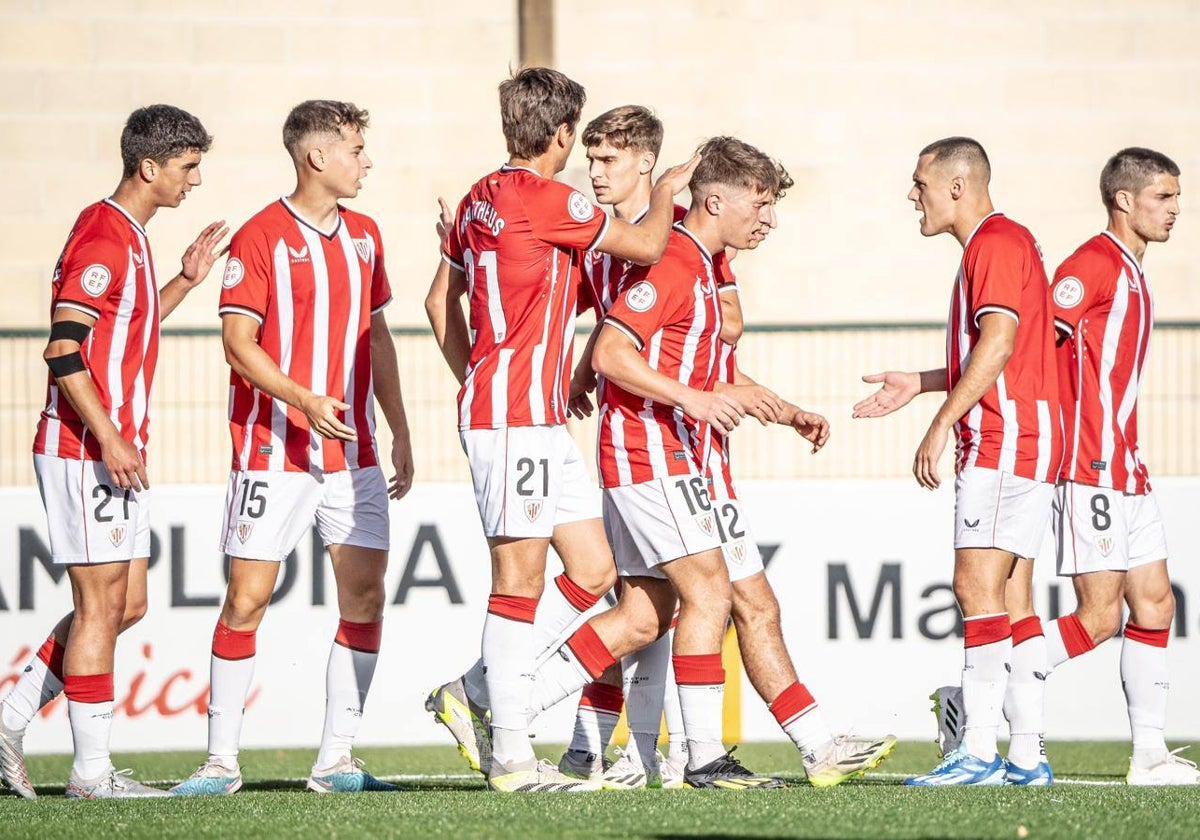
(89, 453)
(310, 351)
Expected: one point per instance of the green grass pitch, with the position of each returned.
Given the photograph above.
(442, 799)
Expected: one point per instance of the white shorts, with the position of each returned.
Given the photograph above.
(1097, 529)
(994, 509)
(654, 522)
(90, 519)
(268, 513)
(528, 479)
(737, 543)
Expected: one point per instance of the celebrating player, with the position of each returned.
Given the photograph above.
(89, 453)
(514, 249)
(309, 348)
(1003, 408)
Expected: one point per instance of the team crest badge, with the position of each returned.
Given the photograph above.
(243, 531)
(95, 279)
(363, 246)
(1105, 544)
(1068, 292)
(116, 535)
(234, 272)
(580, 208)
(705, 521)
(533, 509)
(737, 552)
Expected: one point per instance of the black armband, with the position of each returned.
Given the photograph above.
(66, 365)
(71, 330)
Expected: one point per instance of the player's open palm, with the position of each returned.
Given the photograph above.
(896, 391)
(678, 176)
(812, 427)
(200, 256)
(720, 411)
(322, 414)
(402, 463)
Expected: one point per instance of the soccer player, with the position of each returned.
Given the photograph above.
(89, 453)
(657, 358)
(1002, 406)
(622, 146)
(309, 349)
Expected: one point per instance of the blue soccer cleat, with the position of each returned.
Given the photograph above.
(347, 776)
(1039, 776)
(962, 769)
(212, 779)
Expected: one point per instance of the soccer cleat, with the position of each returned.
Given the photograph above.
(12, 761)
(846, 758)
(1172, 770)
(1039, 776)
(672, 772)
(212, 778)
(114, 784)
(347, 776)
(951, 718)
(579, 764)
(537, 777)
(962, 768)
(627, 773)
(467, 722)
(727, 773)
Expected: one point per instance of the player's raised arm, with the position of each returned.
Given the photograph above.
(897, 388)
(645, 242)
(195, 264)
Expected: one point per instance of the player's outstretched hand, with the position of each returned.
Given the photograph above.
(199, 257)
(322, 417)
(898, 389)
(402, 463)
(720, 411)
(812, 427)
(678, 176)
(926, 460)
(758, 401)
(445, 221)
(124, 463)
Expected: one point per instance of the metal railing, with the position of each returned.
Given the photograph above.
(816, 366)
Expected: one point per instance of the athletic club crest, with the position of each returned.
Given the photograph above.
(363, 246)
(533, 509)
(1105, 544)
(243, 530)
(705, 521)
(116, 534)
(737, 552)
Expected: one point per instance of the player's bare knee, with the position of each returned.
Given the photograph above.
(135, 611)
(1155, 610)
(244, 608)
(1101, 621)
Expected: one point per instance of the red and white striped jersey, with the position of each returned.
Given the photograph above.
(1017, 426)
(672, 313)
(313, 292)
(1103, 303)
(719, 466)
(520, 237)
(106, 271)
(604, 275)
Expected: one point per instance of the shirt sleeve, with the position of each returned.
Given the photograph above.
(381, 289)
(649, 303)
(92, 271)
(452, 250)
(248, 278)
(564, 216)
(995, 268)
(1083, 283)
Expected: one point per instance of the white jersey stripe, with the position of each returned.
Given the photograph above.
(500, 383)
(283, 314)
(1108, 359)
(120, 340)
(1008, 414)
(350, 345)
(320, 333)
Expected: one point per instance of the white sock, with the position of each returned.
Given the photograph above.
(90, 727)
(509, 656)
(986, 661)
(1056, 648)
(230, 673)
(348, 677)
(1025, 696)
(800, 717)
(701, 681)
(644, 679)
(1146, 682)
(475, 684)
(36, 687)
(596, 718)
(677, 752)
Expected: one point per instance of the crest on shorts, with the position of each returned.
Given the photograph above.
(363, 246)
(705, 521)
(243, 530)
(116, 534)
(533, 509)
(1105, 545)
(737, 552)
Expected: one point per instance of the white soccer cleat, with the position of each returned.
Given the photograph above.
(467, 722)
(583, 765)
(846, 758)
(951, 718)
(212, 778)
(1172, 770)
(12, 761)
(114, 784)
(537, 777)
(627, 773)
(671, 772)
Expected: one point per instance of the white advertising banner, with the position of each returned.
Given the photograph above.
(862, 570)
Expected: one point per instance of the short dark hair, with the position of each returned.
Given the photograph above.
(159, 133)
(627, 127)
(734, 163)
(966, 149)
(321, 116)
(534, 102)
(1131, 170)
